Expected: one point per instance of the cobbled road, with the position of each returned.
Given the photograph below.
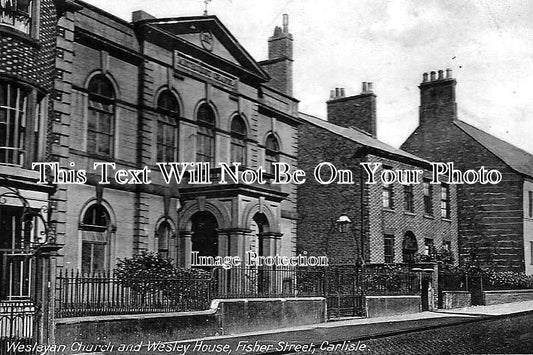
(510, 335)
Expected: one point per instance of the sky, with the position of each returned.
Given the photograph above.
(487, 43)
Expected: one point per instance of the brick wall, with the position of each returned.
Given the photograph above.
(31, 58)
(398, 222)
(279, 63)
(490, 216)
(319, 206)
(354, 111)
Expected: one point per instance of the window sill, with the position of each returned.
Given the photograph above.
(429, 216)
(385, 209)
(19, 35)
(449, 220)
(408, 213)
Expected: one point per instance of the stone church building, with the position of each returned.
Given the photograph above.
(170, 90)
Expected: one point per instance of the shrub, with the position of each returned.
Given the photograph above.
(150, 273)
(510, 280)
(442, 256)
(392, 279)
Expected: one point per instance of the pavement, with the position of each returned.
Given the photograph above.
(345, 334)
(295, 339)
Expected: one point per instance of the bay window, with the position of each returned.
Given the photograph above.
(13, 107)
(16, 14)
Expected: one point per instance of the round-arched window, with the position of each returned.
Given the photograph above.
(271, 152)
(96, 234)
(167, 127)
(205, 140)
(100, 134)
(238, 143)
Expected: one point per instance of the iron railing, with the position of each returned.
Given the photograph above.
(104, 294)
(267, 281)
(18, 322)
(383, 283)
(344, 287)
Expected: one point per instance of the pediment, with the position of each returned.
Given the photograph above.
(211, 39)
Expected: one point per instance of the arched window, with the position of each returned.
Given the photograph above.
(261, 226)
(16, 14)
(167, 127)
(13, 106)
(271, 152)
(96, 235)
(205, 142)
(163, 237)
(238, 145)
(101, 117)
(409, 247)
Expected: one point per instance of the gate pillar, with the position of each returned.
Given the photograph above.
(46, 265)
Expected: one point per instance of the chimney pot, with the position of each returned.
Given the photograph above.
(425, 78)
(448, 73)
(332, 94)
(285, 23)
(433, 76)
(337, 92)
(441, 74)
(365, 87)
(342, 92)
(369, 87)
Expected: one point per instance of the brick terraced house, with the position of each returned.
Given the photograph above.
(390, 223)
(495, 221)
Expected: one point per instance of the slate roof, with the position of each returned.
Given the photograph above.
(516, 158)
(361, 137)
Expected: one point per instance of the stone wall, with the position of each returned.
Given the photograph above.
(506, 296)
(380, 306)
(456, 299)
(224, 317)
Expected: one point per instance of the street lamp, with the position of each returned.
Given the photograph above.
(344, 222)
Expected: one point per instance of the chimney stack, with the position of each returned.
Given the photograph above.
(357, 111)
(279, 62)
(437, 98)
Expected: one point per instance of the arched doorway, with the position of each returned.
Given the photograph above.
(205, 237)
(409, 247)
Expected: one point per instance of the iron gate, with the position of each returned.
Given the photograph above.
(344, 291)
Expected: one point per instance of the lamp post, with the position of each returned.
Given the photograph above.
(344, 223)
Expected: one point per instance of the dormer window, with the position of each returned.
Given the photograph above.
(16, 14)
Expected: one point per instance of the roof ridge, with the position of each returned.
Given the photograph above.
(493, 136)
(517, 159)
(348, 133)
